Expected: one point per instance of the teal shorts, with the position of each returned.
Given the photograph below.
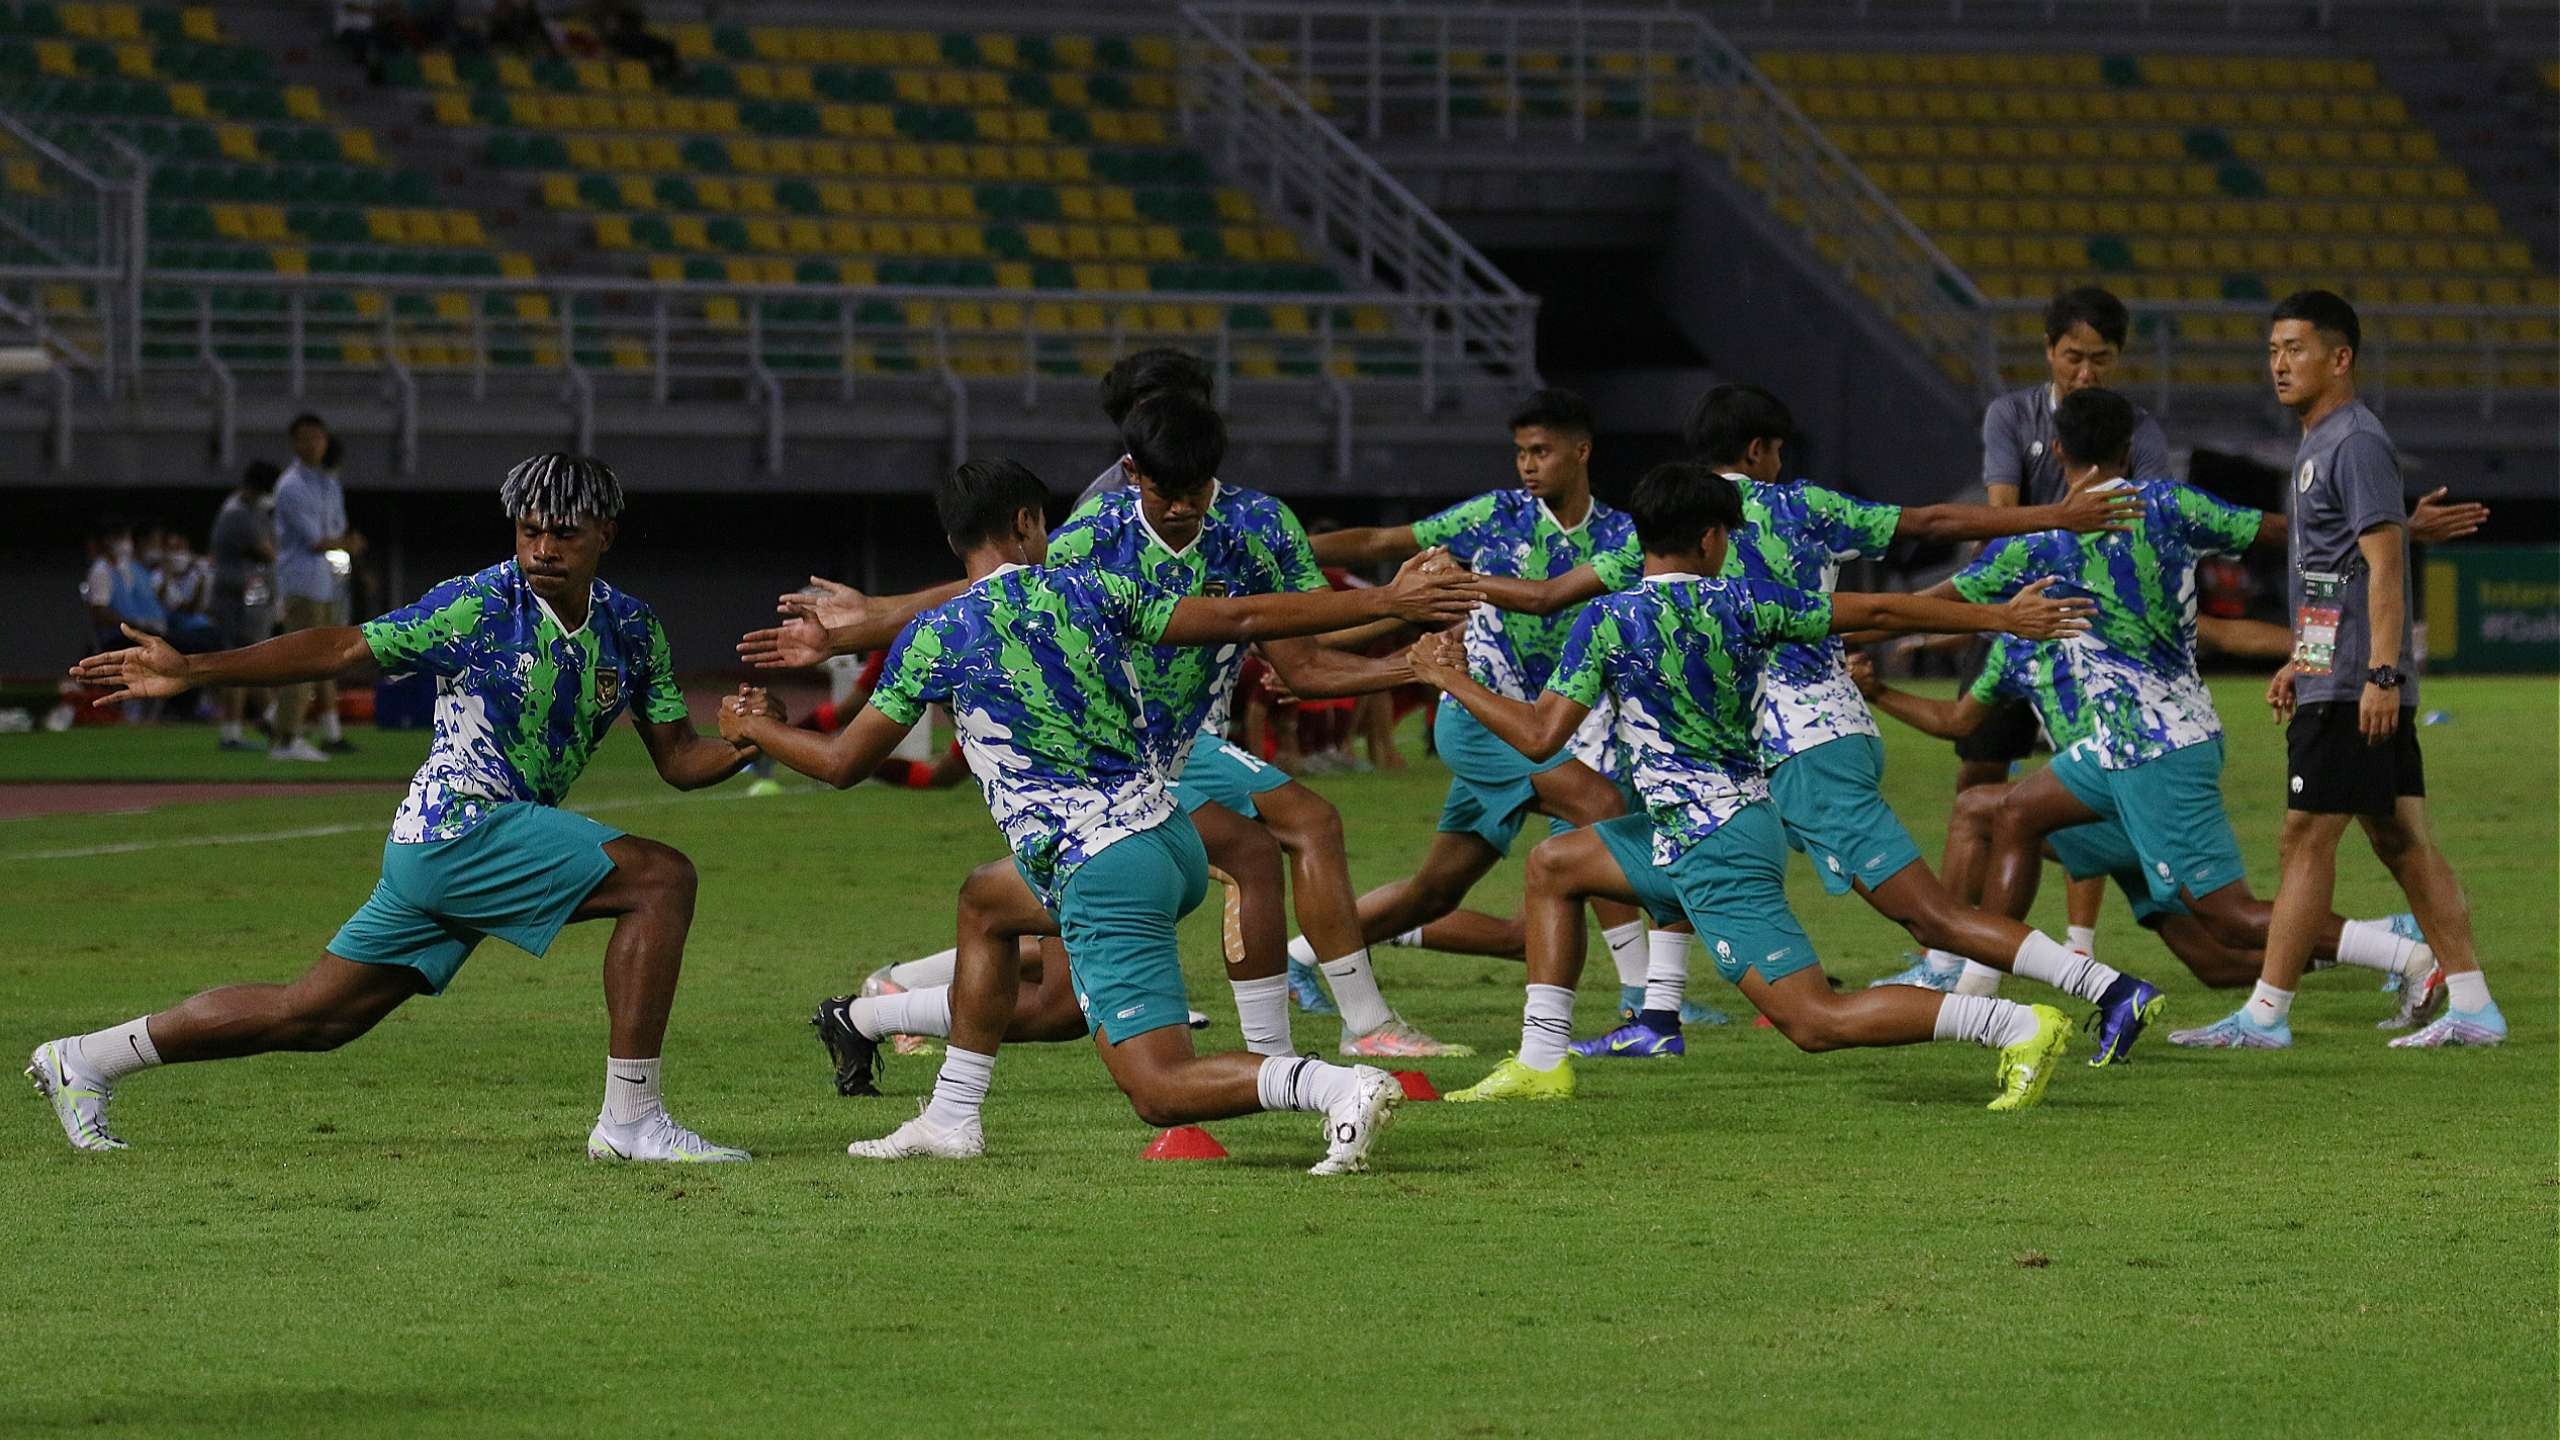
(1489, 789)
(2102, 848)
(1831, 799)
(2170, 810)
(1733, 887)
(1630, 841)
(1117, 913)
(1221, 774)
(519, 875)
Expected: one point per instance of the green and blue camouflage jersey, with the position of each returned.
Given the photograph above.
(1684, 657)
(1795, 535)
(521, 700)
(1512, 534)
(1249, 544)
(1039, 669)
(2039, 672)
(2136, 664)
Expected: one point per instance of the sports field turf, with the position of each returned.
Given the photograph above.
(404, 1237)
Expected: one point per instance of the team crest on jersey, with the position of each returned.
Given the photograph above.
(2302, 482)
(1216, 589)
(608, 688)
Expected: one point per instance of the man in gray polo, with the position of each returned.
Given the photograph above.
(311, 522)
(2351, 736)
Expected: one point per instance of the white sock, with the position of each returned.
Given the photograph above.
(1977, 979)
(1294, 1082)
(960, 1089)
(1984, 1020)
(1355, 992)
(330, 734)
(934, 969)
(1301, 951)
(1262, 1009)
(230, 730)
(1627, 952)
(1666, 971)
(910, 1012)
(631, 1091)
(2370, 944)
(112, 1054)
(1404, 939)
(2267, 1004)
(2468, 990)
(2041, 958)
(1546, 1026)
(2083, 938)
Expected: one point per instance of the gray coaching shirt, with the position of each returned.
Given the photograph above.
(2017, 446)
(2346, 480)
(1109, 480)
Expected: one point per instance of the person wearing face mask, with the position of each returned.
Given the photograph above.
(244, 557)
(183, 580)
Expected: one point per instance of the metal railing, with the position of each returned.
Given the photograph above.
(2275, 16)
(1447, 71)
(217, 335)
(1267, 135)
(2478, 359)
(79, 202)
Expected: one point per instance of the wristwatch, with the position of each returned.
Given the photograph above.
(2385, 676)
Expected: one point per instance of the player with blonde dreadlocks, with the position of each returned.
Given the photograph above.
(533, 659)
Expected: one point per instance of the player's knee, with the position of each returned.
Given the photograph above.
(2394, 844)
(1301, 819)
(663, 873)
(1810, 1030)
(1153, 1100)
(1550, 863)
(1978, 805)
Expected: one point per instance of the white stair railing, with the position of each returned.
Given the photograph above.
(1263, 131)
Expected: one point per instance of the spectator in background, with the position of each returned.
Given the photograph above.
(117, 589)
(244, 555)
(518, 25)
(184, 582)
(314, 549)
(623, 29)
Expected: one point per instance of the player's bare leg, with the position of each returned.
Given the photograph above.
(1309, 830)
(1250, 857)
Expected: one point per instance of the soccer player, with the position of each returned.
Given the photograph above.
(2151, 761)
(1683, 654)
(533, 659)
(1818, 743)
(2351, 738)
(1545, 527)
(1039, 664)
(2084, 335)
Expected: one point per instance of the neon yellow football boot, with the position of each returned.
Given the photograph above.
(1512, 1080)
(2027, 1065)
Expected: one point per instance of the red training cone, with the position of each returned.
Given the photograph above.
(1184, 1142)
(1417, 1086)
(1761, 1022)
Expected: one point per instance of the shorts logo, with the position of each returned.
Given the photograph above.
(2297, 784)
(608, 688)
(2036, 450)
(2164, 869)
(1128, 1012)
(1774, 956)
(1833, 861)
(1724, 951)
(1873, 861)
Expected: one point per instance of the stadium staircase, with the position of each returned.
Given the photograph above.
(815, 220)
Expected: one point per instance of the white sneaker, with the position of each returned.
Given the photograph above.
(301, 750)
(657, 1138)
(1399, 1038)
(1352, 1125)
(918, 1140)
(79, 1099)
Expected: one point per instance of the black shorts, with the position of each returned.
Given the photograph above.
(2330, 770)
(2007, 735)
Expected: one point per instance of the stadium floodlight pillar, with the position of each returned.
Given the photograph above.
(958, 394)
(1341, 389)
(225, 392)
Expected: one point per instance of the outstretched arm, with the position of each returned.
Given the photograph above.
(1365, 545)
(1537, 731)
(830, 619)
(2085, 509)
(152, 670)
(843, 759)
(1545, 597)
(1946, 719)
(2250, 639)
(1312, 670)
(690, 760)
(2028, 614)
(1424, 592)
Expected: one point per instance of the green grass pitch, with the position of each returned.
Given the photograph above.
(404, 1237)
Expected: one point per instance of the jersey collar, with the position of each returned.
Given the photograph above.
(1590, 507)
(1208, 517)
(1672, 577)
(554, 615)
